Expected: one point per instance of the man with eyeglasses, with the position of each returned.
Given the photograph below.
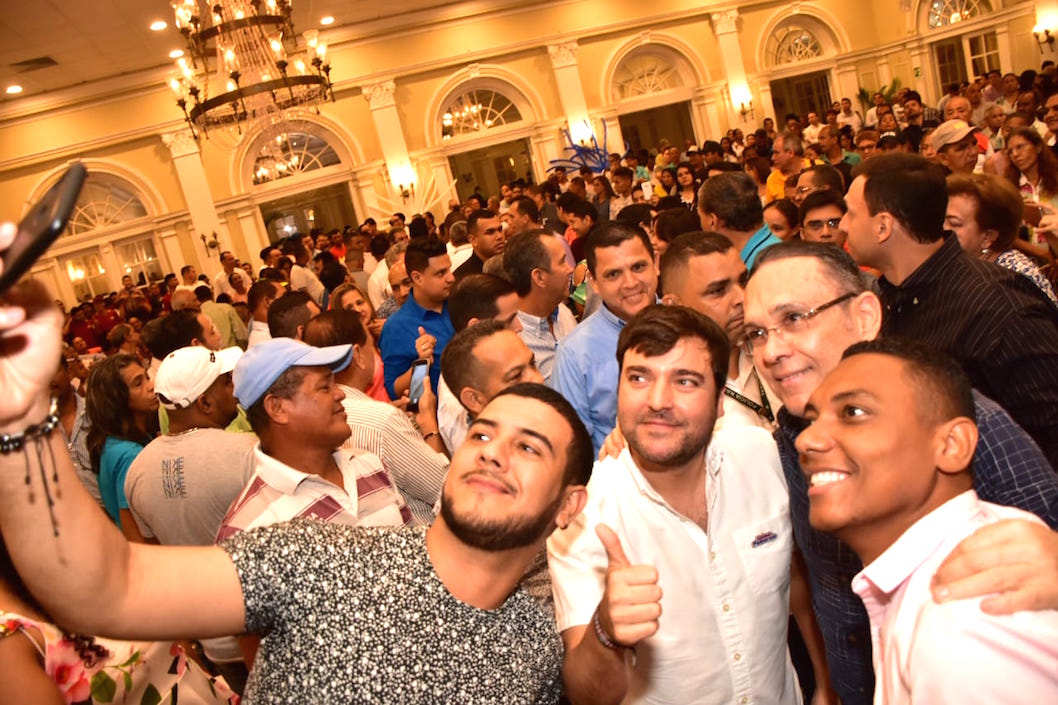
(820, 218)
(819, 177)
(805, 303)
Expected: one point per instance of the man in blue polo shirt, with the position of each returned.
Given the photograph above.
(729, 204)
(621, 266)
(420, 329)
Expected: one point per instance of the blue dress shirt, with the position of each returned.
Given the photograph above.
(397, 342)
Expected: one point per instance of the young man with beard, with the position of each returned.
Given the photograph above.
(439, 612)
(700, 528)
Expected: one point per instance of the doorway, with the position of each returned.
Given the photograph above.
(644, 129)
(800, 95)
(326, 208)
(483, 170)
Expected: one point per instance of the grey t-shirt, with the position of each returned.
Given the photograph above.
(180, 487)
(358, 615)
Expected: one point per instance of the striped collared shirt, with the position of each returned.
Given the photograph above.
(278, 493)
(418, 471)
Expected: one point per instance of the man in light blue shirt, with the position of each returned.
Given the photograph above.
(621, 265)
(729, 204)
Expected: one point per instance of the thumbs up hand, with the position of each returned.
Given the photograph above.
(631, 604)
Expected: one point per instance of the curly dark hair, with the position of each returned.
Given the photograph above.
(107, 406)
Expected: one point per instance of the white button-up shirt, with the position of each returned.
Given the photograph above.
(725, 605)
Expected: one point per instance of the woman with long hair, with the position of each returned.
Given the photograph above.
(349, 297)
(120, 402)
(1035, 173)
(601, 199)
(688, 185)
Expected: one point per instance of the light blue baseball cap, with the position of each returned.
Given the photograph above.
(261, 365)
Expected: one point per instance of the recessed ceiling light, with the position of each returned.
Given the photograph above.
(158, 25)
(327, 20)
(13, 89)
(176, 53)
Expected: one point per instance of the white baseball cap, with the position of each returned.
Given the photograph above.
(186, 374)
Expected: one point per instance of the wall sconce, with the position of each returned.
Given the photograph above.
(210, 243)
(406, 192)
(741, 96)
(1044, 37)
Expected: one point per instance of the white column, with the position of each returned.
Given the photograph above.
(848, 83)
(570, 90)
(615, 141)
(543, 146)
(925, 83)
(444, 184)
(703, 128)
(885, 74)
(253, 230)
(1006, 59)
(171, 247)
(390, 134)
(192, 177)
(364, 177)
(725, 26)
(765, 107)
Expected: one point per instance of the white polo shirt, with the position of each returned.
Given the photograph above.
(726, 593)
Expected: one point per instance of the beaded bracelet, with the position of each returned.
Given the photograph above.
(14, 442)
(34, 435)
(602, 636)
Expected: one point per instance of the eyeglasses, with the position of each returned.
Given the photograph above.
(816, 225)
(792, 322)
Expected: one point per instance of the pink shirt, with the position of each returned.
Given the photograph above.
(928, 653)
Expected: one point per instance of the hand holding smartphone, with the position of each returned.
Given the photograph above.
(44, 222)
(419, 369)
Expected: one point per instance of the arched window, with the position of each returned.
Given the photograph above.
(646, 72)
(945, 12)
(289, 152)
(792, 43)
(477, 110)
(105, 200)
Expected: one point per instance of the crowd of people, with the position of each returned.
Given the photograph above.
(667, 415)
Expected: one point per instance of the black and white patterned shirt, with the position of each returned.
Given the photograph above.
(358, 615)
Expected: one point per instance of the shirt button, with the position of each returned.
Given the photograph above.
(727, 608)
(738, 657)
(712, 555)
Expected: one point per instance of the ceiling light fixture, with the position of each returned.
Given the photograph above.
(176, 53)
(13, 89)
(238, 71)
(158, 25)
(327, 20)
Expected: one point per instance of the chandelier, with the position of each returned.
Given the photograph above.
(243, 65)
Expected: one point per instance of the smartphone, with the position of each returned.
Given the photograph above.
(1032, 213)
(418, 375)
(648, 191)
(42, 225)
